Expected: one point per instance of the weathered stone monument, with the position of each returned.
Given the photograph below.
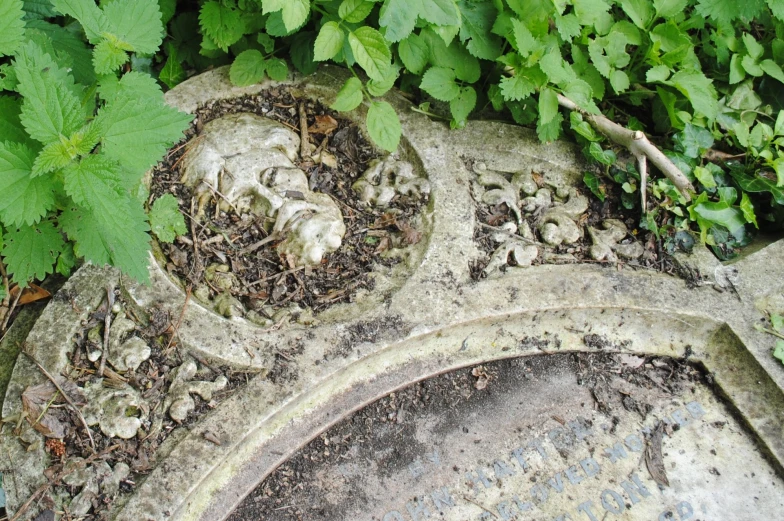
(534, 437)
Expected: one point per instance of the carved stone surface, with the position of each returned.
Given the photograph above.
(118, 412)
(245, 162)
(179, 401)
(97, 479)
(387, 178)
(126, 353)
(607, 243)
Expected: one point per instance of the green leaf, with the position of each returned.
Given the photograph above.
(516, 88)
(108, 57)
(87, 13)
(777, 321)
(619, 80)
(349, 97)
(556, 68)
(302, 52)
(778, 351)
(166, 221)
(31, 251)
(277, 69)
(751, 66)
(383, 125)
(66, 260)
(777, 8)
(70, 48)
(550, 131)
(477, 22)
(737, 72)
(592, 182)
(748, 209)
(669, 8)
(371, 51)
(137, 132)
(605, 157)
(772, 69)
(24, 199)
(135, 23)
(568, 26)
(753, 47)
(11, 26)
(526, 43)
(131, 84)
(51, 107)
(582, 127)
(461, 106)
(440, 12)
(707, 213)
(222, 24)
(266, 41)
(725, 11)
(379, 88)
(11, 128)
(699, 90)
(591, 12)
(705, 177)
(172, 72)
(399, 18)
(295, 13)
(757, 184)
(548, 105)
(693, 141)
(248, 68)
(329, 41)
(413, 53)
(640, 12)
(354, 11)
(439, 82)
(658, 73)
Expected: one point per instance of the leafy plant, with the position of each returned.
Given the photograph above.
(78, 130)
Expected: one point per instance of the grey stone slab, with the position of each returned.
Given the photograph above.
(424, 318)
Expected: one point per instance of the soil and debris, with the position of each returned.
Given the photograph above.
(384, 432)
(265, 280)
(75, 453)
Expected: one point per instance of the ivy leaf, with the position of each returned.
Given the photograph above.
(383, 125)
(439, 82)
(329, 41)
(399, 18)
(135, 23)
(592, 182)
(166, 221)
(477, 22)
(277, 69)
(11, 26)
(172, 72)
(693, 141)
(349, 97)
(461, 106)
(440, 12)
(516, 88)
(707, 213)
(371, 51)
(24, 199)
(725, 11)
(222, 24)
(354, 11)
(31, 251)
(748, 210)
(605, 157)
(248, 68)
(756, 184)
(699, 90)
(548, 105)
(51, 107)
(413, 53)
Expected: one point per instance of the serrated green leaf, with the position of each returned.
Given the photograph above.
(398, 18)
(772, 69)
(329, 41)
(87, 13)
(592, 182)
(24, 199)
(354, 11)
(639, 11)
(550, 131)
(108, 57)
(516, 88)
(248, 68)
(11, 128)
(277, 69)
(619, 80)
(131, 84)
(51, 107)
(777, 8)
(61, 153)
(669, 8)
(699, 90)
(93, 178)
(349, 97)
(302, 52)
(70, 49)
(383, 125)
(440, 12)
(526, 43)
(556, 68)
(137, 132)
(371, 51)
(475, 29)
(166, 221)
(461, 106)
(413, 53)
(568, 26)
(726, 11)
(11, 26)
(31, 251)
(658, 73)
(135, 23)
(295, 13)
(222, 24)
(548, 105)
(439, 82)
(591, 12)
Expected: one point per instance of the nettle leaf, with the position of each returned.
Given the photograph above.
(248, 68)
(477, 22)
(349, 97)
(548, 105)
(440, 12)
(11, 26)
(439, 82)
(591, 12)
(87, 13)
(166, 221)
(108, 57)
(132, 83)
(91, 179)
(371, 51)
(399, 18)
(516, 88)
(51, 107)
(568, 26)
(383, 125)
(725, 11)
(525, 41)
(24, 199)
(354, 11)
(69, 47)
(61, 153)
(10, 127)
(461, 106)
(136, 23)
(329, 41)
(413, 53)
(31, 251)
(222, 24)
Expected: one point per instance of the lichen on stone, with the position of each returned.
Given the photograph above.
(246, 163)
(385, 179)
(179, 402)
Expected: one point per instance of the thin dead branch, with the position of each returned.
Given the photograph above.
(303, 132)
(107, 324)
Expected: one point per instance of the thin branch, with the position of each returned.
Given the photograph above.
(107, 324)
(638, 144)
(303, 132)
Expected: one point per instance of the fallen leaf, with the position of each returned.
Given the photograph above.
(410, 235)
(323, 125)
(653, 456)
(30, 294)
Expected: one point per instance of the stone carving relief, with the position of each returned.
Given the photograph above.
(96, 480)
(246, 163)
(555, 212)
(387, 178)
(118, 412)
(179, 401)
(126, 352)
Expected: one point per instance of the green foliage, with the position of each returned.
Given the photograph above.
(77, 137)
(166, 220)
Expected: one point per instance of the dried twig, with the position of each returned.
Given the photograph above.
(256, 245)
(641, 148)
(303, 132)
(67, 398)
(107, 324)
(10, 309)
